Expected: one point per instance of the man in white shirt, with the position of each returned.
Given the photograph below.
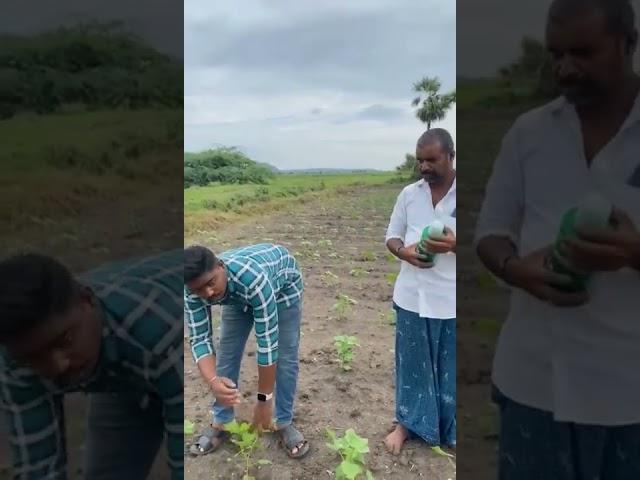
(425, 300)
(566, 366)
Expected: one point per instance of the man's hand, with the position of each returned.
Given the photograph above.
(608, 250)
(225, 392)
(530, 274)
(445, 244)
(263, 416)
(410, 255)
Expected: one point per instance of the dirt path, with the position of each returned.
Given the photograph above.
(343, 235)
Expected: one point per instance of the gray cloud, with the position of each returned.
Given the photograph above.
(489, 32)
(314, 76)
(159, 22)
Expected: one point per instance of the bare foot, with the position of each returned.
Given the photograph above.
(395, 440)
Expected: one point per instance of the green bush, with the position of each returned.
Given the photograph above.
(94, 65)
(223, 165)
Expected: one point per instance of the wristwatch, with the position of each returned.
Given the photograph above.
(265, 397)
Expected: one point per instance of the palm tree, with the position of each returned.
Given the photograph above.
(431, 105)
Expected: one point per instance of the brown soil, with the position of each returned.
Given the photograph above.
(354, 223)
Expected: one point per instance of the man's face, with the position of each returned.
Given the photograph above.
(434, 163)
(588, 61)
(211, 285)
(64, 348)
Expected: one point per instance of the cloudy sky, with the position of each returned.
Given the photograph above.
(157, 21)
(302, 84)
(489, 32)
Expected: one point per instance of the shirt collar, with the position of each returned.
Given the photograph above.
(423, 183)
(561, 105)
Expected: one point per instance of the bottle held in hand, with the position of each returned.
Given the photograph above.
(594, 213)
(434, 230)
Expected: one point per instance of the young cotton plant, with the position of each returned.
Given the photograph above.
(248, 443)
(343, 305)
(352, 449)
(344, 347)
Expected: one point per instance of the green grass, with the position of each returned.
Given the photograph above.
(207, 208)
(32, 142)
(492, 92)
(218, 197)
(57, 166)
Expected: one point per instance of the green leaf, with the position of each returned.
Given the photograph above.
(370, 476)
(264, 461)
(189, 427)
(360, 444)
(441, 452)
(350, 470)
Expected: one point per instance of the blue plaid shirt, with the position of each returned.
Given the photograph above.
(142, 350)
(259, 277)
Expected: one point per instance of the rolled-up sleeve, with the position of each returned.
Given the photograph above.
(198, 319)
(398, 223)
(503, 204)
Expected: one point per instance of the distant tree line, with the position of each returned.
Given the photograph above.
(224, 165)
(531, 72)
(93, 65)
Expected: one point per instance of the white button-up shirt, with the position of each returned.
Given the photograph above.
(430, 292)
(579, 363)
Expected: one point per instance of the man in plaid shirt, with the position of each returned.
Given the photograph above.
(259, 286)
(116, 332)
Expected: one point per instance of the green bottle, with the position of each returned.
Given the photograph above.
(594, 213)
(434, 230)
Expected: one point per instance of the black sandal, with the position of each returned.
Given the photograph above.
(209, 441)
(290, 439)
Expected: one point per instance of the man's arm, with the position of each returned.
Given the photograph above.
(35, 423)
(499, 221)
(397, 227)
(198, 318)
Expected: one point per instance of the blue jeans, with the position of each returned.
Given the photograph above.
(534, 446)
(426, 377)
(235, 328)
(123, 439)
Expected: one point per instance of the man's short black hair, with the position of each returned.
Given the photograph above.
(620, 14)
(198, 260)
(33, 288)
(439, 135)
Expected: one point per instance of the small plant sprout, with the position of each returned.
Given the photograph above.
(248, 443)
(344, 348)
(343, 305)
(330, 279)
(189, 427)
(388, 318)
(324, 243)
(391, 278)
(352, 449)
(358, 272)
(368, 256)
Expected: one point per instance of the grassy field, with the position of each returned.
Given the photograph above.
(482, 308)
(207, 207)
(337, 235)
(57, 168)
